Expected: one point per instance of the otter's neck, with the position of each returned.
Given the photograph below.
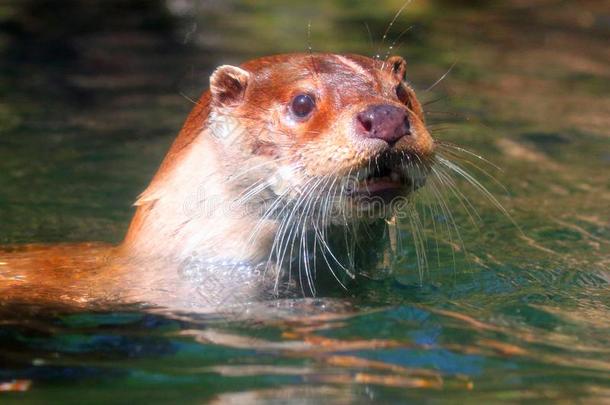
(190, 206)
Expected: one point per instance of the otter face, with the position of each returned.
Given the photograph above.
(325, 124)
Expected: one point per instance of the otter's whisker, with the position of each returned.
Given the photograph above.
(440, 79)
(324, 246)
(282, 241)
(477, 185)
(389, 27)
(445, 145)
(420, 250)
(393, 46)
(294, 223)
(313, 197)
(448, 182)
(450, 220)
(453, 154)
(350, 228)
(243, 172)
(270, 211)
(252, 191)
(432, 209)
(325, 211)
(433, 101)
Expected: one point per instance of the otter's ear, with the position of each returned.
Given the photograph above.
(397, 66)
(228, 85)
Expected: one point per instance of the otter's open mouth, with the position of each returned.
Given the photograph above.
(383, 182)
(384, 179)
(387, 177)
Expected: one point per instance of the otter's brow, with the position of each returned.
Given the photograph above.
(356, 67)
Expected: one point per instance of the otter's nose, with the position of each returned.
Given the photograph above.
(384, 121)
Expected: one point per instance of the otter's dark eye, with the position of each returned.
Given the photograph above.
(302, 105)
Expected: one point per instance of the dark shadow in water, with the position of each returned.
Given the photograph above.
(75, 54)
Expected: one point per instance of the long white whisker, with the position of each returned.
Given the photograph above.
(387, 31)
(441, 78)
(477, 185)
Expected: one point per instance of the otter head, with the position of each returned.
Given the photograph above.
(322, 127)
(280, 146)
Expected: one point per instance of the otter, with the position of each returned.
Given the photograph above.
(286, 171)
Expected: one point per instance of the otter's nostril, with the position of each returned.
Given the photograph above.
(366, 122)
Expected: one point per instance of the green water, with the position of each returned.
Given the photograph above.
(91, 96)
